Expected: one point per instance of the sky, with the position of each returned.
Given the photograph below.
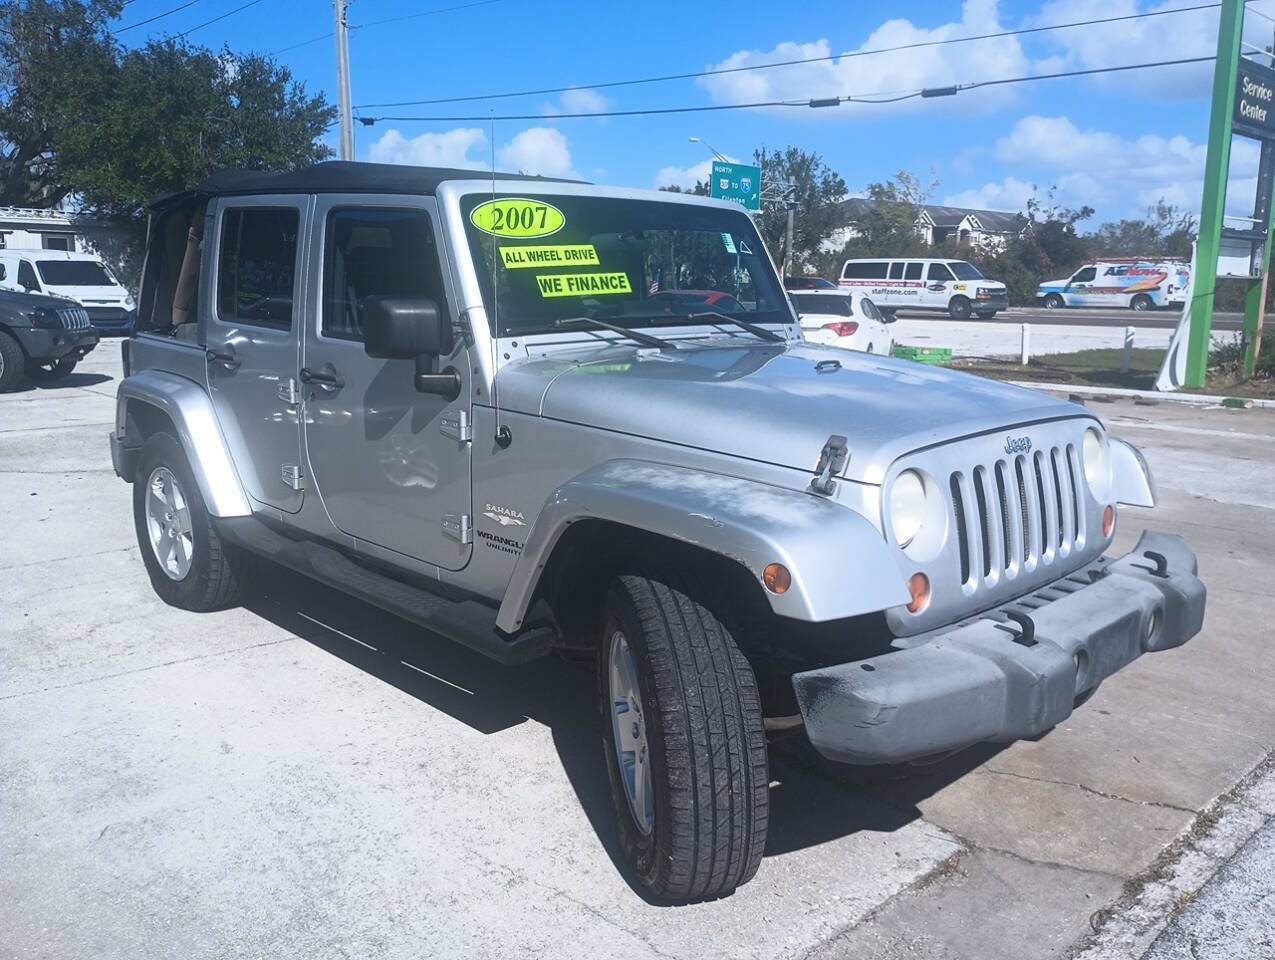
(1117, 143)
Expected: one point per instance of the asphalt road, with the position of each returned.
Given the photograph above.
(308, 777)
(1085, 317)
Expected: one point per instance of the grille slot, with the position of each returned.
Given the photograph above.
(73, 318)
(1017, 514)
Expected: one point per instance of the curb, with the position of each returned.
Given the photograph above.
(1193, 399)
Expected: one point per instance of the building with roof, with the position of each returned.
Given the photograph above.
(967, 227)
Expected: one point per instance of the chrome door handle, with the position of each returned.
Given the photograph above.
(325, 378)
(227, 358)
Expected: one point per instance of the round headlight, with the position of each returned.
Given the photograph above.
(1097, 470)
(907, 506)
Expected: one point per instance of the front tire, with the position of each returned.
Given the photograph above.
(51, 372)
(189, 565)
(12, 362)
(683, 739)
(959, 308)
(1141, 302)
(1054, 302)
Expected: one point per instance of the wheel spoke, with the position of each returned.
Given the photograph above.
(641, 789)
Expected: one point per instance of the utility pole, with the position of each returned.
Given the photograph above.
(343, 80)
(791, 205)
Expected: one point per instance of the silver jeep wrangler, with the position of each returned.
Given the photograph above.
(535, 416)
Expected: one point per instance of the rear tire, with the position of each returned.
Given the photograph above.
(959, 308)
(1141, 302)
(12, 362)
(684, 726)
(1054, 302)
(51, 372)
(189, 565)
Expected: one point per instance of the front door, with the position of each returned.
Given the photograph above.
(390, 463)
(936, 290)
(252, 341)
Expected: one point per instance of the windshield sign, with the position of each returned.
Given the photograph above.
(547, 261)
(965, 271)
(74, 273)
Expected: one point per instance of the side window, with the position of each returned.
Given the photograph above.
(257, 261)
(913, 272)
(896, 270)
(868, 270)
(26, 276)
(1085, 276)
(938, 272)
(376, 251)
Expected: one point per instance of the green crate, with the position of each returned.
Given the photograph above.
(923, 354)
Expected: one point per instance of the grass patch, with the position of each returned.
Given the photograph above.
(1101, 368)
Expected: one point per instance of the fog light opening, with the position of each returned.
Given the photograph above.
(1081, 661)
(919, 589)
(1108, 520)
(1153, 625)
(776, 578)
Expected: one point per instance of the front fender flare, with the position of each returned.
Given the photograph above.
(840, 564)
(1131, 480)
(187, 405)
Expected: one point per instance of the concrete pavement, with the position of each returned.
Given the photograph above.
(308, 777)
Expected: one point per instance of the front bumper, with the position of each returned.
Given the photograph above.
(1009, 673)
(991, 301)
(44, 345)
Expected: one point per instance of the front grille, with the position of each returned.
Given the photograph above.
(74, 318)
(1017, 514)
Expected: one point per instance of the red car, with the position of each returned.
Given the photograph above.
(695, 300)
(808, 283)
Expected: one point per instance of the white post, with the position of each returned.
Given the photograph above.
(1127, 360)
(1026, 354)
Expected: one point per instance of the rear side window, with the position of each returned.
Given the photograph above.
(939, 272)
(26, 276)
(913, 272)
(257, 266)
(383, 252)
(866, 270)
(896, 270)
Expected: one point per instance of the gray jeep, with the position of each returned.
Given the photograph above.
(41, 338)
(536, 416)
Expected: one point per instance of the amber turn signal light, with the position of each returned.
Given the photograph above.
(776, 578)
(919, 588)
(1108, 521)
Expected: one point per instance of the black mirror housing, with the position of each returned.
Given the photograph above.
(401, 328)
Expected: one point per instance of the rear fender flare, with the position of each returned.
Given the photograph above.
(188, 408)
(840, 564)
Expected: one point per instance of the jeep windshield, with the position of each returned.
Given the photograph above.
(544, 260)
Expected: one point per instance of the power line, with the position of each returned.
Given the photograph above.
(789, 63)
(158, 16)
(231, 13)
(813, 102)
(377, 23)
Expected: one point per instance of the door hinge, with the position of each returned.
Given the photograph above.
(457, 426)
(457, 526)
(832, 458)
(288, 392)
(293, 476)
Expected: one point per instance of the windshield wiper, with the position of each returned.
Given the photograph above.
(643, 338)
(752, 328)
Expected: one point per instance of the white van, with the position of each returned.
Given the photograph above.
(954, 286)
(1136, 283)
(79, 276)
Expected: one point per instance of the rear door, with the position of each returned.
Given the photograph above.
(391, 464)
(252, 341)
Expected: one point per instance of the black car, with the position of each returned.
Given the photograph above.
(41, 338)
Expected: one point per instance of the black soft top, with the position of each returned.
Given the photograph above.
(335, 176)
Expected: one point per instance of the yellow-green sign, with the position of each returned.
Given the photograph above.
(567, 255)
(582, 284)
(517, 217)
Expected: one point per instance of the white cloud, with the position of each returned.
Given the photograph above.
(905, 70)
(684, 177)
(578, 100)
(450, 149)
(1117, 175)
(541, 150)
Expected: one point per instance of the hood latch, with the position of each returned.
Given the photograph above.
(832, 459)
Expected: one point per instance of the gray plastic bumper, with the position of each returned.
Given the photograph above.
(1011, 673)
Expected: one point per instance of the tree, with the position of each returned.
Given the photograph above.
(814, 187)
(1167, 231)
(57, 60)
(81, 116)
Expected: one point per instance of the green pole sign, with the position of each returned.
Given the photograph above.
(740, 182)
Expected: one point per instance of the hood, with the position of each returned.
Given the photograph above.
(769, 402)
(96, 294)
(20, 300)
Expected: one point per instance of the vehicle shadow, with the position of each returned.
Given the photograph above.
(70, 380)
(812, 801)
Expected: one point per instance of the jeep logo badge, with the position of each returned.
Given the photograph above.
(1018, 444)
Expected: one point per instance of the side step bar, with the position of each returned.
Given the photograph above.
(467, 622)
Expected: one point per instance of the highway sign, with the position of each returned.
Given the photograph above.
(740, 182)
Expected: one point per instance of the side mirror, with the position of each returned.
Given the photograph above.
(403, 328)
